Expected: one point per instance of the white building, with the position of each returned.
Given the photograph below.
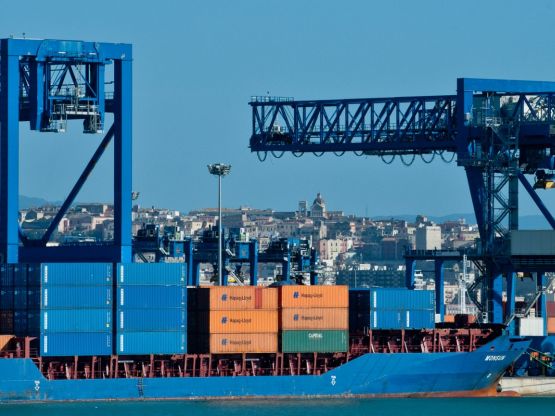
(428, 238)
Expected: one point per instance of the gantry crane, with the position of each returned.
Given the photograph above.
(498, 131)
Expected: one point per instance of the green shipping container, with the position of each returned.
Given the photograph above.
(314, 341)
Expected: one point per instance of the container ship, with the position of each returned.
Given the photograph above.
(101, 331)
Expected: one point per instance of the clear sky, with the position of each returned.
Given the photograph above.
(196, 63)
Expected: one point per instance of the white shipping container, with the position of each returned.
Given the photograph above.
(531, 327)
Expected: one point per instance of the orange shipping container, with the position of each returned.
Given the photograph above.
(315, 318)
(551, 326)
(450, 319)
(239, 343)
(243, 322)
(314, 297)
(242, 297)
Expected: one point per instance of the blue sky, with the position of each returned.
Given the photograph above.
(196, 63)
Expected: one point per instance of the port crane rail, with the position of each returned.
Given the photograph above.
(499, 131)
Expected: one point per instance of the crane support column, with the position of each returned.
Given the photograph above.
(9, 154)
(510, 305)
(541, 309)
(253, 262)
(409, 273)
(313, 263)
(495, 298)
(440, 286)
(188, 252)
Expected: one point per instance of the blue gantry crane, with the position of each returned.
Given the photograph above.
(48, 83)
(499, 131)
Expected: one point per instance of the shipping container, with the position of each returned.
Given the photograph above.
(359, 299)
(142, 296)
(551, 325)
(450, 319)
(149, 319)
(67, 344)
(314, 341)
(314, 296)
(165, 274)
(243, 322)
(531, 327)
(314, 318)
(76, 274)
(6, 321)
(238, 298)
(7, 298)
(76, 297)
(550, 309)
(359, 322)
(243, 343)
(402, 319)
(398, 298)
(150, 342)
(76, 320)
(26, 323)
(6, 276)
(26, 297)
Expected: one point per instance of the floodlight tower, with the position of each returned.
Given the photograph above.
(219, 170)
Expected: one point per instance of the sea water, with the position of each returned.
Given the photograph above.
(316, 407)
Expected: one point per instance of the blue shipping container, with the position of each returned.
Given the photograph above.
(6, 276)
(165, 274)
(76, 297)
(75, 320)
(148, 319)
(152, 296)
(402, 319)
(6, 298)
(70, 344)
(395, 299)
(76, 274)
(26, 323)
(143, 343)
(26, 298)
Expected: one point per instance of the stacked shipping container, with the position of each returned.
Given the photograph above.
(151, 309)
(233, 320)
(314, 318)
(76, 309)
(391, 308)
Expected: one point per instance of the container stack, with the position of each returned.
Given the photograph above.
(391, 309)
(314, 318)
(234, 320)
(151, 311)
(76, 309)
(551, 318)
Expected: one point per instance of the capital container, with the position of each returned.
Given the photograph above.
(150, 319)
(239, 297)
(243, 322)
(67, 344)
(73, 297)
(76, 274)
(151, 342)
(244, 343)
(151, 296)
(314, 318)
(314, 340)
(314, 296)
(165, 274)
(76, 320)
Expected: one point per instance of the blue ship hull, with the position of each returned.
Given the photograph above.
(371, 375)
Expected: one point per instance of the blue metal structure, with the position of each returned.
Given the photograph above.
(47, 83)
(498, 130)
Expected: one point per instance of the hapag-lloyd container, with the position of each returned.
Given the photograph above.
(243, 322)
(314, 341)
(314, 296)
(237, 298)
(70, 344)
(151, 296)
(76, 274)
(149, 319)
(164, 274)
(76, 297)
(243, 343)
(314, 318)
(151, 342)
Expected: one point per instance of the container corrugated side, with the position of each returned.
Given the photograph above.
(551, 326)
(76, 320)
(76, 274)
(26, 323)
(314, 318)
(243, 343)
(69, 344)
(359, 299)
(402, 319)
(151, 319)
(7, 321)
(242, 297)
(359, 322)
(76, 297)
(243, 322)
(151, 342)
(532, 326)
(166, 274)
(314, 341)
(550, 306)
(142, 296)
(26, 297)
(395, 299)
(314, 296)
(7, 298)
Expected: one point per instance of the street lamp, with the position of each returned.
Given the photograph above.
(219, 169)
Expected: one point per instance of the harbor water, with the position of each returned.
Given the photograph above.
(327, 407)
